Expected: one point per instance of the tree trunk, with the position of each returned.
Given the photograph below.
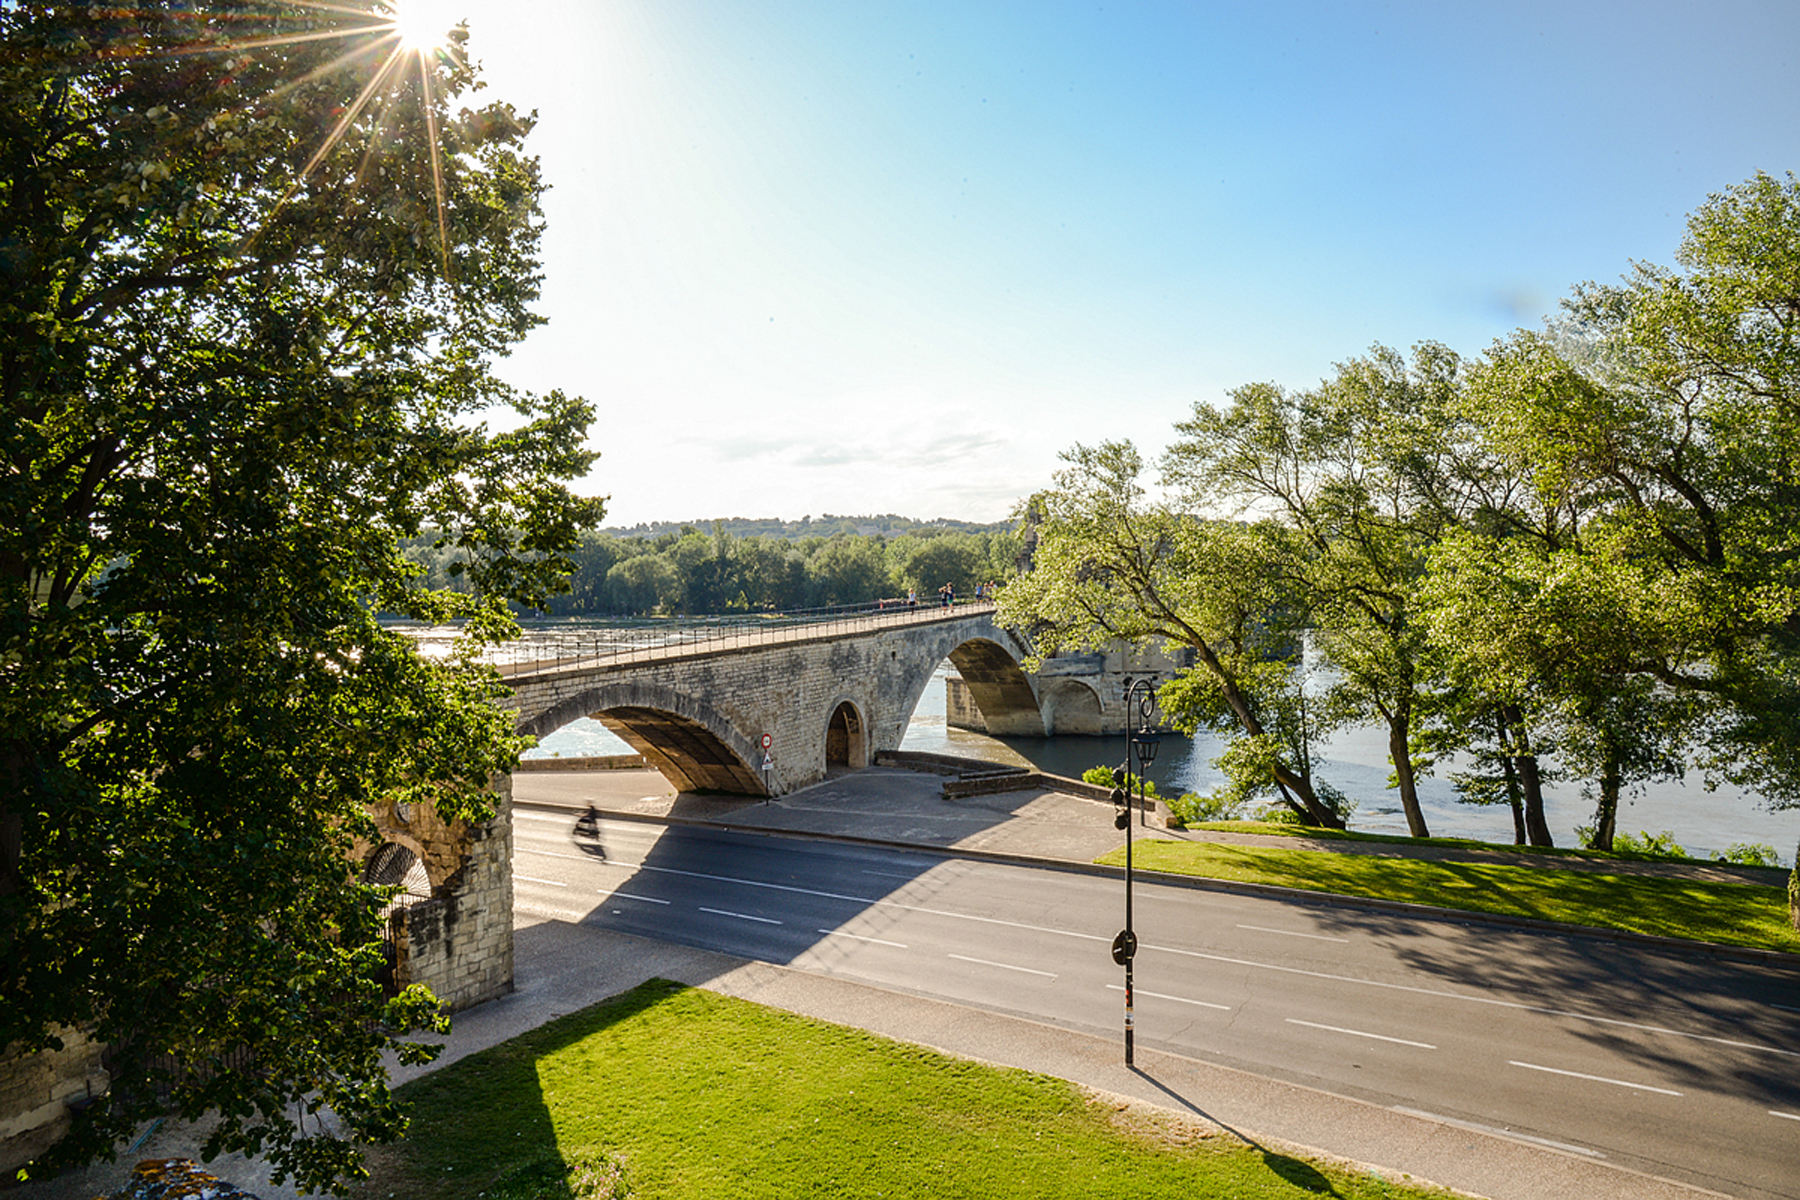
(1287, 779)
(1536, 829)
(1512, 782)
(1794, 892)
(1311, 811)
(1606, 816)
(1400, 752)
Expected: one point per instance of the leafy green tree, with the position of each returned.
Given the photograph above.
(644, 583)
(847, 569)
(1350, 468)
(1637, 593)
(1694, 440)
(927, 563)
(1109, 565)
(252, 272)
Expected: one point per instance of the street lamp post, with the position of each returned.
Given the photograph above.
(1143, 742)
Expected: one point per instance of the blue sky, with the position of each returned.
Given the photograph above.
(855, 257)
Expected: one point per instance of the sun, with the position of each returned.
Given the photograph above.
(423, 25)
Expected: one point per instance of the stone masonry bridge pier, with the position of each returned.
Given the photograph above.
(825, 694)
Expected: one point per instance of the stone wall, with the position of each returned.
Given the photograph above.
(37, 1092)
(459, 943)
(699, 717)
(1076, 693)
(590, 762)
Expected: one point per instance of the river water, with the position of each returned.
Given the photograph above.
(1354, 761)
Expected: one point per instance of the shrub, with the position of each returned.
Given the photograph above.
(1651, 845)
(1103, 776)
(1191, 808)
(1277, 814)
(1749, 854)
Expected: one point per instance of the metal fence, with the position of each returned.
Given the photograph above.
(548, 647)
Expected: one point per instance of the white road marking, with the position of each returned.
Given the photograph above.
(1519, 1006)
(1785, 1116)
(859, 937)
(889, 874)
(1317, 937)
(721, 912)
(1003, 966)
(1505, 1133)
(1359, 1033)
(535, 879)
(634, 896)
(586, 858)
(873, 902)
(1114, 987)
(1498, 1003)
(1641, 1087)
(1784, 1007)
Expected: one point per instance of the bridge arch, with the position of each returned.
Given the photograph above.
(989, 662)
(1072, 706)
(689, 741)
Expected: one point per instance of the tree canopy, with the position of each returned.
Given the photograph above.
(254, 272)
(1581, 544)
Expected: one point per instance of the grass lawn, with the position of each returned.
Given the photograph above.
(1735, 914)
(1287, 829)
(669, 1091)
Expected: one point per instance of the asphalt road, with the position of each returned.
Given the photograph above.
(1674, 1066)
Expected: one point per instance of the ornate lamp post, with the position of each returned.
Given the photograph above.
(1142, 741)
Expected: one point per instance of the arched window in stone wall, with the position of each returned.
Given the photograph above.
(394, 865)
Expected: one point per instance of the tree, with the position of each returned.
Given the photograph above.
(1352, 469)
(1638, 592)
(254, 273)
(1110, 566)
(847, 569)
(927, 563)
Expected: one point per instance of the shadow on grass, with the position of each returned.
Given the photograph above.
(483, 1126)
(1286, 1167)
(669, 1090)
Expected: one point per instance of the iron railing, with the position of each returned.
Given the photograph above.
(554, 647)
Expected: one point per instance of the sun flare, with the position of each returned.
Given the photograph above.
(424, 25)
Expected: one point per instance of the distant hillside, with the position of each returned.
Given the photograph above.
(826, 525)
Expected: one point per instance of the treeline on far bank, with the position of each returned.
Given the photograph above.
(691, 571)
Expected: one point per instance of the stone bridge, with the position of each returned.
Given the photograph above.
(828, 694)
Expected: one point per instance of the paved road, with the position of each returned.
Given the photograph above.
(1671, 1066)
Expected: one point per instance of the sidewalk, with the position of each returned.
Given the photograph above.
(562, 967)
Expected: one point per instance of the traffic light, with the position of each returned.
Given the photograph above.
(1121, 808)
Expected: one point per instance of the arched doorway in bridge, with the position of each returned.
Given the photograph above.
(846, 742)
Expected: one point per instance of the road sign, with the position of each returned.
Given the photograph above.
(1124, 947)
(767, 741)
(768, 762)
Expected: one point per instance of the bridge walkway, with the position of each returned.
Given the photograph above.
(520, 671)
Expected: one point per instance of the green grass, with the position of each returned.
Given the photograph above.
(1288, 829)
(1730, 913)
(670, 1091)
